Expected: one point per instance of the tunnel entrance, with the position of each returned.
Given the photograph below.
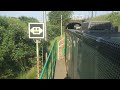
(73, 25)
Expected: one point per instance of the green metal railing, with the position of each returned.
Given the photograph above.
(49, 66)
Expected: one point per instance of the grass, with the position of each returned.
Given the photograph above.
(31, 74)
(52, 42)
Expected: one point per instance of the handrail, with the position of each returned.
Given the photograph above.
(50, 61)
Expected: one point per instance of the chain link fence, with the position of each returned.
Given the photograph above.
(92, 55)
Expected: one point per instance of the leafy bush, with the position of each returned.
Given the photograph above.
(53, 31)
(17, 51)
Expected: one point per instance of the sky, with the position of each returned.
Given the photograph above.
(39, 14)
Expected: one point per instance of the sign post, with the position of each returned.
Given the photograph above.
(38, 63)
(36, 31)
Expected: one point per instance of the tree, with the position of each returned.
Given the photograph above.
(17, 51)
(55, 17)
(52, 31)
(28, 19)
(54, 23)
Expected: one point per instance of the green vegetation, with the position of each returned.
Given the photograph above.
(113, 17)
(54, 23)
(52, 42)
(17, 51)
(55, 17)
(31, 74)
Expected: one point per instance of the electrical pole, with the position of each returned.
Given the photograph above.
(44, 20)
(45, 33)
(92, 14)
(95, 13)
(45, 25)
(61, 26)
(42, 47)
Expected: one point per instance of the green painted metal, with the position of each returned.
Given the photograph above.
(47, 71)
(49, 66)
(63, 51)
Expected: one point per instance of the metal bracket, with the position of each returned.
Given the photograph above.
(39, 40)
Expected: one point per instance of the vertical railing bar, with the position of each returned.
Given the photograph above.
(54, 59)
(44, 68)
(47, 71)
(52, 65)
